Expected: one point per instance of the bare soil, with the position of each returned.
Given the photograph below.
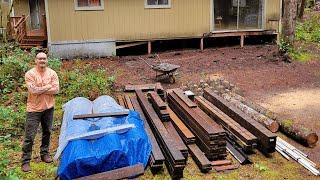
(290, 89)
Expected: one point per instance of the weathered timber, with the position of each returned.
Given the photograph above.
(128, 101)
(225, 167)
(175, 161)
(272, 125)
(210, 136)
(182, 129)
(121, 100)
(229, 124)
(299, 133)
(199, 158)
(100, 115)
(296, 131)
(157, 101)
(184, 98)
(159, 89)
(157, 158)
(266, 139)
(159, 106)
(221, 162)
(142, 87)
(121, 173)
(178, 141)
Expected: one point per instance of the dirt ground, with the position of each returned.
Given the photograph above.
(290, 89)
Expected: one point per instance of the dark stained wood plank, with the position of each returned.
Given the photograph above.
(156, 100)
(200, 159)
(181, 128)
(266, 139)
(229, 124)
(156, 151)
(143, 87)
(178, 141)
(120, 173)
(184, 98)
(101, 115)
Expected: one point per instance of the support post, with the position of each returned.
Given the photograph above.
(201, 44)
(242, 41)
(149, 47)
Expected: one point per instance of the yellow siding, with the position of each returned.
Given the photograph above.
(273, 12)
(5, 8)
(128, 20)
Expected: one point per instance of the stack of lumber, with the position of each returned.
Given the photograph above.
(157, 159)
(211, 138)
(266, 139)
(159, 106)
(246, 139)
(171, 148)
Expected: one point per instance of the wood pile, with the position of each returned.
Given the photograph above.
(210, 137)
(266, 139)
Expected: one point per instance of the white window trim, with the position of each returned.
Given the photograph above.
(157, 6)
(94, 8)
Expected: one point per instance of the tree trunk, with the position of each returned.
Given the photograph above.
(289, 20)
(301, 10)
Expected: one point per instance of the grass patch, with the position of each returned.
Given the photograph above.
(85, 81)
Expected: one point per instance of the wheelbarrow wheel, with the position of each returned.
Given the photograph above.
(172, 79)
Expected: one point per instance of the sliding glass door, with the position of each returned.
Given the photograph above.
(237, 14)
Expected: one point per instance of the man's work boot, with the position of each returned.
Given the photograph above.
(46, 158)
(26, 167)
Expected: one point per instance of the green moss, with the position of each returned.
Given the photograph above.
(287, 123)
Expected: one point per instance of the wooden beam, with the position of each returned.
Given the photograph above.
(130, 45)
(149, 47)
(201, 44)
(120, 173)
(241, 40)
(100, 115)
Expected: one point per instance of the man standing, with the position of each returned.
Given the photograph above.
(42, 83)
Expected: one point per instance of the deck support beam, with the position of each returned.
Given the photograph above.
(149, 47)
(242, 41)
(201, 44)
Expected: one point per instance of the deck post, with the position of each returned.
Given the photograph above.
(242, 41)
(149, 47)
(201, 44)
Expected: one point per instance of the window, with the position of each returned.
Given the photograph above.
(89, 4)
(158, 3)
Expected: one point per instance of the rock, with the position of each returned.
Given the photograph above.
(206, 85)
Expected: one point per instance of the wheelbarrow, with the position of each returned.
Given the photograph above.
(164, 71)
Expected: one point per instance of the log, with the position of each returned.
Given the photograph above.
(298, 132)
(272, 125)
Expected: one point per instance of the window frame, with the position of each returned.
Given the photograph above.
(157, 6)
(93, 8)
(3, 1)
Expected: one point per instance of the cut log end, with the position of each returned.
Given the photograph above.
(274, 127)
(312, 139)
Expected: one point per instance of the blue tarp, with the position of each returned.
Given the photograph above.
(83, 157)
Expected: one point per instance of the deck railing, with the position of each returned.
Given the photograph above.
(17, 27)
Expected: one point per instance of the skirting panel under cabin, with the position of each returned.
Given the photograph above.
(74, 49)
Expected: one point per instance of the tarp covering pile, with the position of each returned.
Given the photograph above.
(97, 145)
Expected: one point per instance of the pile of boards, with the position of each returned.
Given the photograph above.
(178, 126)
(205, 127)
